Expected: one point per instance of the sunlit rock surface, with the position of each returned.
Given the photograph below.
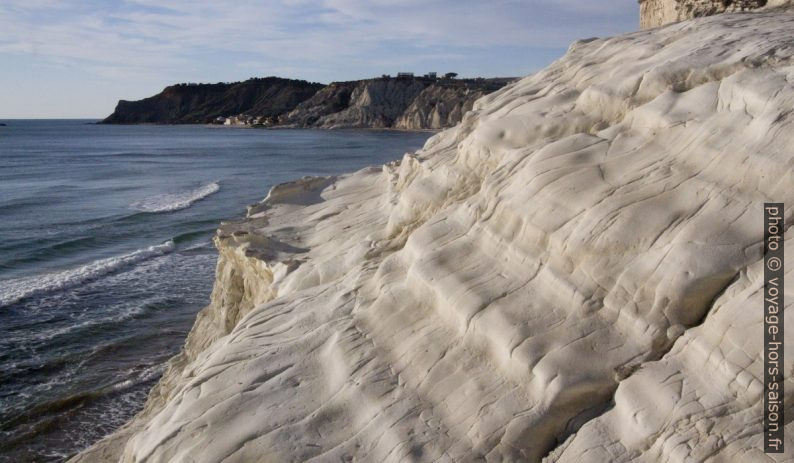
(573, 273)
(438, 107)
(402, 103)
(654, 13)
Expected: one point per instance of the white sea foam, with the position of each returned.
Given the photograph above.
(14, 290)
(175, 201)
(137, 376)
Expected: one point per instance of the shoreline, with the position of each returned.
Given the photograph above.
(282, 127)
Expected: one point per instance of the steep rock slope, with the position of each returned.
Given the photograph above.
(201, 103)
(330, 99)
(438, 107)
(572, 273)
(402, 103)
(375, 103)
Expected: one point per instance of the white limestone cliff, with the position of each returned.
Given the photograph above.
(401, 103)
(438, 107)
(573, 274)
(654, 13)
(375, 103)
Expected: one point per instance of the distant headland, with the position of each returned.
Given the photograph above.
(405, 101)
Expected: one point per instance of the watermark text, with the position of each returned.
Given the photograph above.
(773, 328)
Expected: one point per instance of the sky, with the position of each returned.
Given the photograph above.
(77, 58)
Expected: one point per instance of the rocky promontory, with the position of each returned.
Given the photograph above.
(403, 102)
(203, 103)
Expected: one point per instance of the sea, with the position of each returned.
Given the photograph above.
(106, 256)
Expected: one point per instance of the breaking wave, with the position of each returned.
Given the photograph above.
(175, 201)
(15, 290)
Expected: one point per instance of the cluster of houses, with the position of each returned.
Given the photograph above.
(429, 76)
(245, 120)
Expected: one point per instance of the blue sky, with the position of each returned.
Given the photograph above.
(76, 58)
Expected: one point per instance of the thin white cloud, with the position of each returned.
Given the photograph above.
(131, 48)
(147, 34)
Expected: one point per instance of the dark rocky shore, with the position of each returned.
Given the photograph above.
(404, 102)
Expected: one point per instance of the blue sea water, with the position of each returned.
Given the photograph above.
(106, 256)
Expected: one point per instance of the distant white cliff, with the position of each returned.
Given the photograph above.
(573, 273)
(401, 103)
(438, 107)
